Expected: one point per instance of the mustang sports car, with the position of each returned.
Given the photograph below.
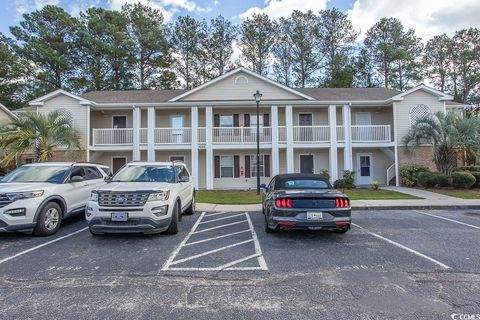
(304, 201)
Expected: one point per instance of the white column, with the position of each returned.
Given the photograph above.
(275, 154)
(347, 132)
(194, 127)
(332, 122)
(136, 115)
(289, 125)
(395, 140)
(209, 147)
(151, 134)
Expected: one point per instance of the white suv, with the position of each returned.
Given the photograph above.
(143, 197)
(36, 197)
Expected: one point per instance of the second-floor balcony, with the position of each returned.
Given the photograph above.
(241, 135)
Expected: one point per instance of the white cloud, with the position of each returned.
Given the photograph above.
(283, 8)
(427, 17)
(26, 6)
(167, 7)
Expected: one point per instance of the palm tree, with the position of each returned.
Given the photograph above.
(40, 134)
(448, 133)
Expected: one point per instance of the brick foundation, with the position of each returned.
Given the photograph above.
(63, 156)
(422, 156)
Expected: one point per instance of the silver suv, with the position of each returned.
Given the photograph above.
(36, 197)
(143, 197)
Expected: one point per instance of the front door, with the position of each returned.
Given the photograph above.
(306, 163)
(119, 122)
(364, 169)
(176, 122)
(305, 119)
(305, 134)
(363, 121)
(117, 163)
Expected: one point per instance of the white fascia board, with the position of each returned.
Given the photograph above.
(441, 95)
(7, 111)
(235, 71)
(39, 101)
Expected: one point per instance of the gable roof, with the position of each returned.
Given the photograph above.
(350, 94)
(40, 101)
(132, 96)
(238, 70)
(7, 111)
(442, 96)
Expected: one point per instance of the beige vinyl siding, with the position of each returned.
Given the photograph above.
(106, 157)
(282, 161)
(226, 89)
(320, 159)
(410, 101)
(319, 115)
(380, 163)
(100, 120)
(240, 182)
(379, 115)
(78, 112)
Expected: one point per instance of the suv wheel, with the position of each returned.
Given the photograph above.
(173, 227)
(191, 208)
(49, 220)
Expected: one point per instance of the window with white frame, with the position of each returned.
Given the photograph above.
(226, 166)
(226, 120)
(253, 120)
(253, 166)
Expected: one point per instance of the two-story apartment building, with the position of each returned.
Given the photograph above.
(213, 128)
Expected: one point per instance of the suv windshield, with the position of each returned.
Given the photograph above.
(50, 174)
(145, 174)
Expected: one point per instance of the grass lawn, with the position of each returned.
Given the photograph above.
(462, 194)
(369, 194)
(250, 197)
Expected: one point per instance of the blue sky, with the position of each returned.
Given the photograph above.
(427, 19)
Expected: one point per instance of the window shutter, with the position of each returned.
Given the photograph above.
(266, 120)
(236, 166)
(266, 165)
(246, 120)
(217, 166)
(235, 120)
(216, 120)
(247, 166)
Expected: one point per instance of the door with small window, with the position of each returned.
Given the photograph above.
(176, 123)
(364, 169)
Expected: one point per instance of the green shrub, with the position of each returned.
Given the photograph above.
(409, 174)
(375, 185)
(325, 174)
(432, 179)
(468, 168)
(347, 181)
(477, 178)
(463, 179)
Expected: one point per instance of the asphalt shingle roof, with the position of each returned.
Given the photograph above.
(132, 96)
(346, 94)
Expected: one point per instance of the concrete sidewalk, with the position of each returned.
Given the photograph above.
(431, 200)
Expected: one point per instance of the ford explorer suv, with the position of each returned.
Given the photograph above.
(142, 197)
(36, 197)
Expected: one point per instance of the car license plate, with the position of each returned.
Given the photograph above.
(314, 215)
(119, 216)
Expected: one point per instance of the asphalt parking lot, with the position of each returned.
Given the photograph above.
(391, 265)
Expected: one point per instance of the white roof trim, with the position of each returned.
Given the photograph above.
(40, 101)
(240, 69)
(7, 111)
(441, 95)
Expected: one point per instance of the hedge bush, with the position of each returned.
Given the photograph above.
(432, 179)
(477, 178)
(468, 168)
(347, 181)
(462, 179)
(409, 174)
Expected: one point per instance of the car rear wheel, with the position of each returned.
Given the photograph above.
(173, 227)
(267, 228)
(49, 220)
(191, 208)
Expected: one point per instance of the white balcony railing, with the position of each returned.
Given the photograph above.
(247, 135)
(241, 135)
(371, 133)
(103, 137)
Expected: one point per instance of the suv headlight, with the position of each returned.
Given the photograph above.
(14, 196)
(159, 196)
(93, 196)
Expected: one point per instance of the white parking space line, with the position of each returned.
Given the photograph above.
(215, 214)
(447, 219)
(222, 226)
(41, 245)
(219, 219)
(403, 247)
(215, 238)
(172, 265)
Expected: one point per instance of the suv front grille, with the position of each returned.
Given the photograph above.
(4, 200)
(122, 199)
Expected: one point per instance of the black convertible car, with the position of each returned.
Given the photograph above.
(304, 201)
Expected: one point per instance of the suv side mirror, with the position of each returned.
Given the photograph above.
(184, 178)
(76, 179)
(107, 179)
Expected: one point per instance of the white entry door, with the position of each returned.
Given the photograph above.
(363, 121)
(364, 169)
(176, 122)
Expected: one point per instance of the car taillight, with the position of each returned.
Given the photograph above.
(283, 203)
(341, 203)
